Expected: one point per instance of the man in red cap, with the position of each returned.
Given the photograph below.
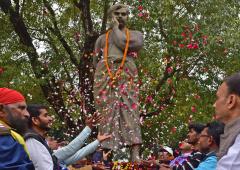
(13, 122)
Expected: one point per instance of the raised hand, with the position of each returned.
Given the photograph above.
(52, 143)
(103, 137)
(115, 22)
(106, 154)
(93, 120)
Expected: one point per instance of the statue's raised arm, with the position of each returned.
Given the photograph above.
(120, 39)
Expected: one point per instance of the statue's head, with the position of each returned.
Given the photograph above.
(121, 12)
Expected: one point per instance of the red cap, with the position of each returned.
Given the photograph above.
(9, 96)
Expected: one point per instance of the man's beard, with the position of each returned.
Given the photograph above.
(21, 125)
(44, 127)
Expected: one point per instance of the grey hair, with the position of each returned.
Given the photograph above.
(116, 7)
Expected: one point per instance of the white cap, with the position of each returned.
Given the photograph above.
(168, 149)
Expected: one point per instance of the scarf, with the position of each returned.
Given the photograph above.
(231, 131)
(16, 136)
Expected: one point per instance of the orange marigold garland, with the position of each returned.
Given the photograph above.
(111, 75)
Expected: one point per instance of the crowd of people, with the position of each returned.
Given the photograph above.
(24, 144)
(214, 145)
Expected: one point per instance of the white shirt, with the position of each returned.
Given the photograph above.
(39, 155)
(231, 161)
(69, 154)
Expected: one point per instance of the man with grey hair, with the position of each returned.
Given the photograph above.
(227, 110)
(116, 82)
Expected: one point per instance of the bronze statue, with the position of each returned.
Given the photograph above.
(116, 88)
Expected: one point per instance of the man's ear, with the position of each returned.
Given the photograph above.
(211, 140)
(35, 121)
(232, 101)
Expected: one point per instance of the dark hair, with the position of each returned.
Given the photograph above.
(197, 127)
(34, 111)
(233, 83)
(215, 129)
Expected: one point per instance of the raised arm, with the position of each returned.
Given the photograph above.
(90, 148)
(66, 151)
(120, 39)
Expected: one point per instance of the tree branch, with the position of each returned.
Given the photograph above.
(53, 95)
(84, 7)
(56, 31)
(85, 67)
(25, 39)
(105, 16)
(17, 5)
(160, 23)
(22, 8)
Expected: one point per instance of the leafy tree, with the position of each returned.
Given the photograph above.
(47, 50)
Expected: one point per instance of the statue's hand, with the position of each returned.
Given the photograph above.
(115, 22)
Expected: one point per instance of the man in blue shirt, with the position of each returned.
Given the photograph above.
(209, 143)
(13, 122)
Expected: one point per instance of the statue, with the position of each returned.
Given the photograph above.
(116, 83)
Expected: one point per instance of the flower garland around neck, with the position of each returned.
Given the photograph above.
(111, 75)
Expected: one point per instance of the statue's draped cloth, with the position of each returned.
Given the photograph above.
(118, 102)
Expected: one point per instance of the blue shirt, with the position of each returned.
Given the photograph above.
(13, 155)
(210, 163)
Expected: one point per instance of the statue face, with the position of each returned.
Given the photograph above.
(121, 15)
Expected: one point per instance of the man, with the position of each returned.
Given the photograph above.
(101, 159)
(195, 158)
(186, 150)
(227, 110)
(208, 144)
(194, 131)
(13, 121)
(41, 154)
(163, 155)
(116, 82)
